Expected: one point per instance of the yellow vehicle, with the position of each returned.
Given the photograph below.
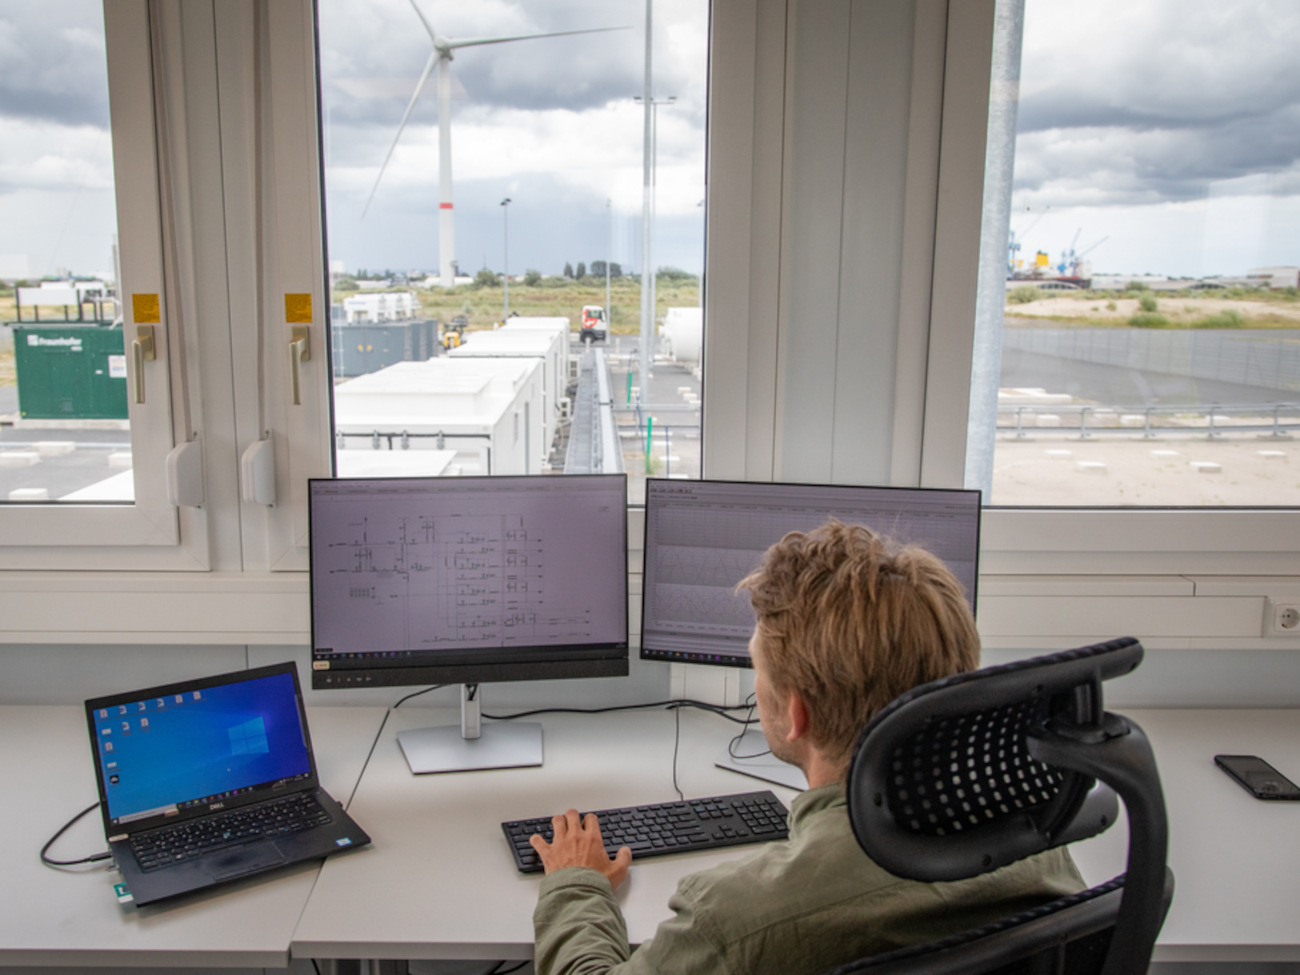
(453, 332)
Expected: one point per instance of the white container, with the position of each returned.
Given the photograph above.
(683, 329)
(488, 411)
(545, 345)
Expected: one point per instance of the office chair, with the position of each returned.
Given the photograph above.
(966, 774)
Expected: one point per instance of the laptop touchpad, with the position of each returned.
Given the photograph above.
(239, 860)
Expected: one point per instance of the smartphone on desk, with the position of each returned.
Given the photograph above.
(1257, 777)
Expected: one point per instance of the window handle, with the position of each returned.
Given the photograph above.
(143, 350)
(299, 352)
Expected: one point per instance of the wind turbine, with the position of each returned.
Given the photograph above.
(441, 58)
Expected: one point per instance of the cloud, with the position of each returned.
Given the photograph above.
(52, 62)
(375, 40)
(1125, 104)
(550, 122)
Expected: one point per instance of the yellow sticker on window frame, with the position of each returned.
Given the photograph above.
(146, 309)
(297, 309)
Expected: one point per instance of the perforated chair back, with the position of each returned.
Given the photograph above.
(967, 774)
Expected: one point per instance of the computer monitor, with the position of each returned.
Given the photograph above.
(468, 580)
(703, 537)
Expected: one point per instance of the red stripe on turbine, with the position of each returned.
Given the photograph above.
(444, 206)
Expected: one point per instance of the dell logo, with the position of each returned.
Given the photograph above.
(217, 805)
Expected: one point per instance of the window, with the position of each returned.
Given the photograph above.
(484, 216)
(68, 436)
(87, 389)
(1139, 326)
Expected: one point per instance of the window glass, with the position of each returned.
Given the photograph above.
(485, 193)
(1140, 320)
(64, 432)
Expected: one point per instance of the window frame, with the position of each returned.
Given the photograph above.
(150, 532)
(256, 589)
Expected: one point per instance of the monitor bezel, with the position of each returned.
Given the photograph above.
(606, 658)
(743, 661)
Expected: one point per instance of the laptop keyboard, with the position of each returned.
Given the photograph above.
(183, 841)
(667, 827)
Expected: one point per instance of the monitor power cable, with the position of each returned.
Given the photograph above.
(93, 858)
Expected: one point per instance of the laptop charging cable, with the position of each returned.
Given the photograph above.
(94, 858)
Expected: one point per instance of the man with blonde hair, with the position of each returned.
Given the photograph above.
(847, 621)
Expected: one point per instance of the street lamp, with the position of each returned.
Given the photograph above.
(609, 233)
(505, 233)
(648, 297)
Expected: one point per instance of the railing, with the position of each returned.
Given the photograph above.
(1272, 419)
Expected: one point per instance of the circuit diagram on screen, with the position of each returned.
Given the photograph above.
(427, 581)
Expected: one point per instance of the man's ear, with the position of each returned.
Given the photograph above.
(797, 713)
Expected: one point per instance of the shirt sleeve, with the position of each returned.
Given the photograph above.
(580, 931)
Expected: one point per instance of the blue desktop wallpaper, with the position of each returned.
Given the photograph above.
(161, 752)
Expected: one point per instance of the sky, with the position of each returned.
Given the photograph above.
(1164, 135)
(549, 122)
(1160, 137)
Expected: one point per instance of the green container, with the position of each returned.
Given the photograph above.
(70, 372)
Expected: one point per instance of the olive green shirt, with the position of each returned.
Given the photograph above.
(806, 904)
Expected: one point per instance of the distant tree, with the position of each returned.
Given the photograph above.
(615, 270)
(568, 269)
(532, 277)
(346, 283)
(1148, 303)
(581, 272)
(597, 269)
(673, 274)
(486, 279)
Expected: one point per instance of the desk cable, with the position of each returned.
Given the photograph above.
(93, 858)
(723, 711)
(676, 706)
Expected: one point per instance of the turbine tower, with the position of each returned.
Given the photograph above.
(441, 58)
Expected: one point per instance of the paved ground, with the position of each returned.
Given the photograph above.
(59, 461)
(1060, 469)
(673, 406)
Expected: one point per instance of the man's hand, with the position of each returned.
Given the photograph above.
(577, 843)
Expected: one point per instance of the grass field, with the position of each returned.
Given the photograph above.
(486, 306)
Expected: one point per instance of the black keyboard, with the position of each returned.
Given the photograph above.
(667, 827)
(183, 841)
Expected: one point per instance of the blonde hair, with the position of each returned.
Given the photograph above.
(851, 620)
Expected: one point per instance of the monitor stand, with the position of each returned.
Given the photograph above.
(755, 760)
(472, 745)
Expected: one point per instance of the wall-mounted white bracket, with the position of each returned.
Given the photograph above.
(185, 475)
(257, 472)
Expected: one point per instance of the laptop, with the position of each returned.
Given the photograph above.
(211, 780)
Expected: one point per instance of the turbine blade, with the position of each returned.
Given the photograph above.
(419, 87)
(433, 36)
(476, 41)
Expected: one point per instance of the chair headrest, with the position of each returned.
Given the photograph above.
(943, 785)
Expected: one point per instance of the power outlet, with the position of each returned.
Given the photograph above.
(1282, 619)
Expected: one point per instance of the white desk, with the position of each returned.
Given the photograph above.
(69, 916)
(1236, 859)
(439, 881)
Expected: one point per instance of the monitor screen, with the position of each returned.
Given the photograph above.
(703, 537)
(468, 579)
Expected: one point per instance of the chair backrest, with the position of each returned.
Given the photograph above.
(969, 773)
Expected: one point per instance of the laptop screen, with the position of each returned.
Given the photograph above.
(186, 748)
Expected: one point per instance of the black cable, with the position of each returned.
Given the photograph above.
(315, 966)
(94, 858)
(498, 970)
(677, 738)
(417, 694)
(735, 742)
(719, 709)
